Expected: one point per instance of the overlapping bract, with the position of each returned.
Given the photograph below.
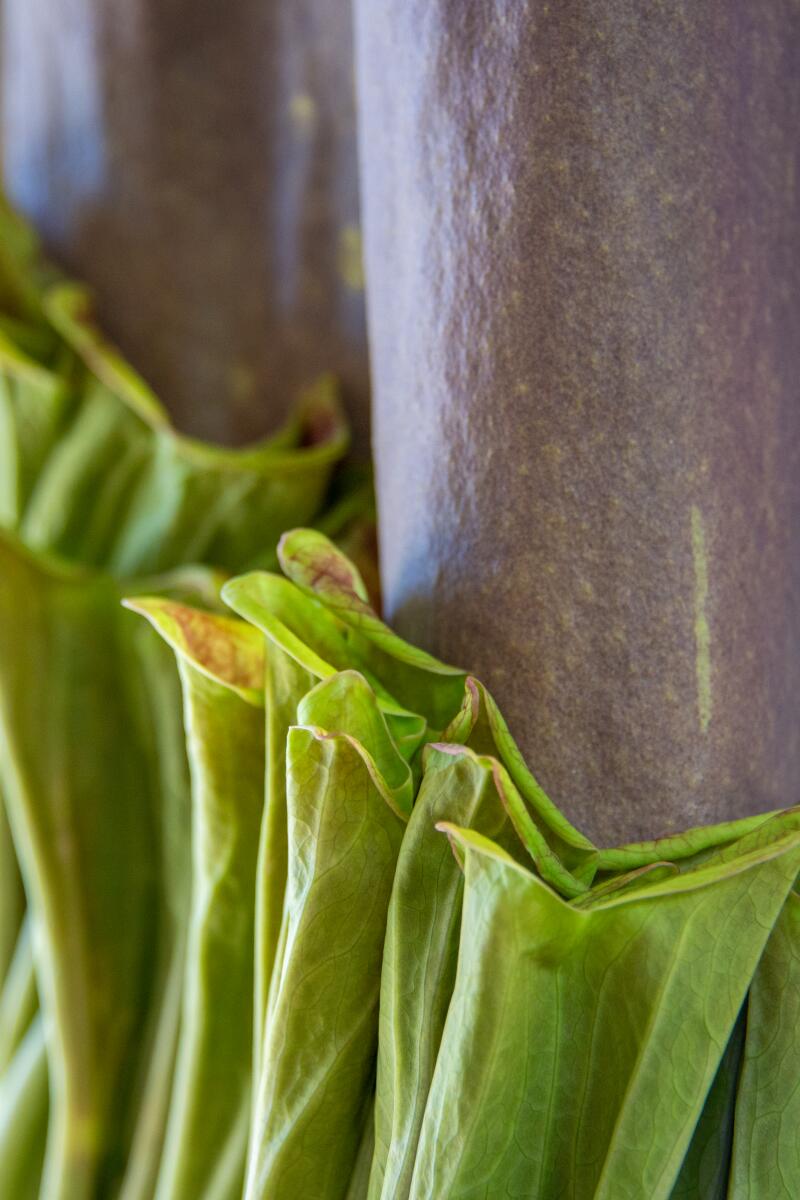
(457, 994)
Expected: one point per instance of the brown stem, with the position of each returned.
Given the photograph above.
(582, 233)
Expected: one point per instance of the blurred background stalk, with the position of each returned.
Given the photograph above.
(195, 162)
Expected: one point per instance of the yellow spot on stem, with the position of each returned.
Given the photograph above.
(303, 112)
(702, 635)
(351, 264)
(243, 384)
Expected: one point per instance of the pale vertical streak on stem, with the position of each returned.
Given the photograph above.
(702, 635)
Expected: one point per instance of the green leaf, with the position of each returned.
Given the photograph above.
(93, 470)
(160, 718)
(24, 273)
(704, 1173)
(23, 1117)
(346, 704)
(285, 684)
(766, 1152)
(162, 715)
(298, 627)
(321, 1032)
(320, 643)
(359, 1180)
(221, 664)
(84, 486)
(580, 1044)
(12, 899)
(224, 650)
(34, 403)
(547, 862)
(760, 842)
(77, 782)
(419, 962)
(687, 846)
(305, 644)
(18, 999)
(36, 341)
(420, 682)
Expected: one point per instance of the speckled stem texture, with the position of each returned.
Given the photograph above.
(196, 163)
(583, 268)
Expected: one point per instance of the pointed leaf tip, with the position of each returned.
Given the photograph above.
(227, 650)
(311, 560)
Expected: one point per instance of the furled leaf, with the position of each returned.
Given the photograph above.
(315, 1086)
(92, 469)
(572, 847)
(160, 718)
(285, 684)
(123, 489)
(766, 1151)
(545, 859)
(18, 999)
(704, 1172)
(12, 899)
(77, 781)
(221, 663)
(418, 681)
(419, 962)
(161, 722)
(23, 1117)
(24, 273)
(359, 1180)
(345, 703)
(301, 637)
(34, 403)
(319, 642)
(688, 846)
(226, 651)
(580, 1044)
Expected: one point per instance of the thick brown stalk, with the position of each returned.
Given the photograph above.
(582, 228)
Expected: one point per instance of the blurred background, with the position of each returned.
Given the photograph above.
(195, 162)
